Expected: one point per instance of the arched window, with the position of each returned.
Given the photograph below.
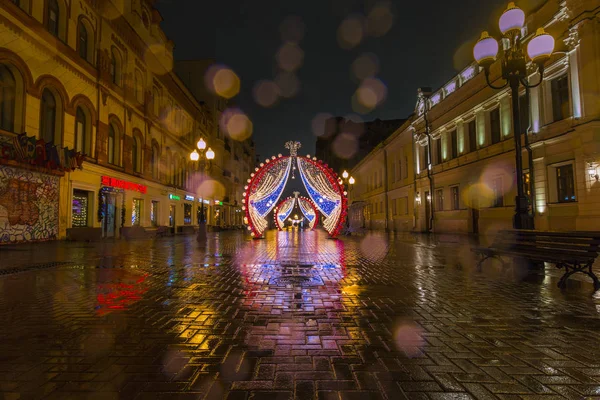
(83, 41)
(145, 19)
(115, 67)
(48, 116)
(139, 86)
(155, 161)
(156, 101)
(136, 155)
(8, 93)
(114, 144)
(53, 17)
(82, 134)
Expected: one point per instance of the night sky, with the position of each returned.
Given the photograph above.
(426, 45)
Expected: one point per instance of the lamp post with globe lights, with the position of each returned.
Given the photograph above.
(204, 157)
(350, 181)
(514, 72)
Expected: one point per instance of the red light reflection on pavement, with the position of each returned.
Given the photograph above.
(119, 295)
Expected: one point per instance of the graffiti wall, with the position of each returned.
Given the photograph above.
(28, 205)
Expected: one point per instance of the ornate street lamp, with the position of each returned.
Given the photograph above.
(514, 72)
(205, 158)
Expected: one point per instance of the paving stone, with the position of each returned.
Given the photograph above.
(294, 315)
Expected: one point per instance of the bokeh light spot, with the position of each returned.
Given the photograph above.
(365, 66)
(374, 246)
(345, 145)
(318, 124)
(266, 93)
(236, 124)
(222, 81)
(288, 84)
(351, 31)
(380, 20)
(292, 29)
(290, 57)
(408, 338)
(158, 59)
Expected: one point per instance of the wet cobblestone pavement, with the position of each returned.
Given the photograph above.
(293, 316)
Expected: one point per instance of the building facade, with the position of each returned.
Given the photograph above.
(95, 79)
(463, 154)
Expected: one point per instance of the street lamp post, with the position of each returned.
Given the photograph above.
(514, 72)
(346, 178)
(204, 157)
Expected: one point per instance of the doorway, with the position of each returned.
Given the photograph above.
(475, 214)
(172, 217)
(109, 225)
(428, 211)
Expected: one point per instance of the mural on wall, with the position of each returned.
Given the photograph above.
(28, 205)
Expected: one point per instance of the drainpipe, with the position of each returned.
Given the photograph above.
(530, 154)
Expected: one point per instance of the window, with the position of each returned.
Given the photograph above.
(455, 198)
(139, 86)
(154, 161)
(394, 207)
(154, 213)
(405, 170)
(472, 127)
(8, 92)
(495, 125)
(393, 172)
(48, 117)
(135, 154)
(83, 41)
(565, 184)
(136, 212)
(438, 151)
(52, 16)
(561, 104)
(439, 197)
(114, 142)
(187, 214)
(454, 143)
(498, 200)
(82, 141)
(115, 67)
(424, 157)
(80, 209)
(381, 206)
(156, 101)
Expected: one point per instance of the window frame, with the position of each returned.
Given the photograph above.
(455, 197)
(495, 128)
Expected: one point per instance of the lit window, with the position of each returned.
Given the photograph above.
(565, 184)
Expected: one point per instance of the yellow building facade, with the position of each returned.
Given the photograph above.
(96, 78)
(463, 143)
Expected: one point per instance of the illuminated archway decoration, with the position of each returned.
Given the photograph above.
(285, 208)
(267, 183)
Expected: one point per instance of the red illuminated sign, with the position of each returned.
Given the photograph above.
(118, 183)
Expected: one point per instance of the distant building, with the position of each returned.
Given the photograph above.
(346, 142)
(237, 158)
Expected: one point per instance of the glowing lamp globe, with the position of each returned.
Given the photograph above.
(210, 154)
(345, 174)
(351, 181)
(512, 20)
(540, 47)
(194, 156)
(201, 144)
(485, 50)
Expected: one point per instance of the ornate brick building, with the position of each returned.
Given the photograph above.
(92, 82)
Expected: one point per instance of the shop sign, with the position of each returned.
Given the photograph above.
(174, 197)
(120, 184)
(37, 152)
(189, 198)
(206, 202)
(218, 203)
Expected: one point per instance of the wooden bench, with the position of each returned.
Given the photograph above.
(573, 251)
